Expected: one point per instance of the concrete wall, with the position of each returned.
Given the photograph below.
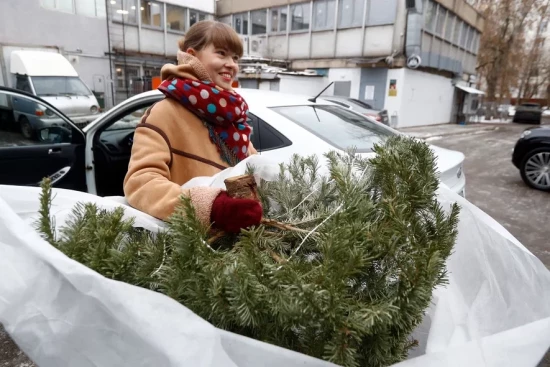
(347, 74)
(377, 78)
(426, 99)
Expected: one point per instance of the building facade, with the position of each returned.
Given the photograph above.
(116, 46)
(144, 35)
(416, 59)
(76, 29)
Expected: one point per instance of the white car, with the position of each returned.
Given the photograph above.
(95, 159)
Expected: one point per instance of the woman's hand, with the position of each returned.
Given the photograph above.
(231, 214)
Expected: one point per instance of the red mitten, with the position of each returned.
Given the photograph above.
(231, 214)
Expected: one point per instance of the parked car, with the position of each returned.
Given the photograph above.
(532, 157)
(506, 110)
(95, 159)
(361, 107)
(528, 112)
(51, 76)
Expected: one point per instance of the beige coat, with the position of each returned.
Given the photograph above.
(171, 146)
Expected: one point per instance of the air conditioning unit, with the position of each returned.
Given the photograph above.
(255, 46)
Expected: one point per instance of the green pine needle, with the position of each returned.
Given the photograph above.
(351, 293)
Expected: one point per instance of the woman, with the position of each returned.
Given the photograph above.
(199, 129)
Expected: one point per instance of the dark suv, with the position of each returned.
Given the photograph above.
(529, 113)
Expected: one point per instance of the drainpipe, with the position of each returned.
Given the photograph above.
(110, 51)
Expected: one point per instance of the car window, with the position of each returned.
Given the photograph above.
(338, 126)
(338, 103)
(59, 85)
(361, 103)
(129, 119)
(26, 122)
(23, 84)
(264, 136)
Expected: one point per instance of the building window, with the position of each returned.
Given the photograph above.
(89, 8)
(440, 22)
(456, 32)
(323, 14)
(240, 23)
(85, 7)
(451, 18)
(225, 20)
(429, 16)
(124, 11)
(300, 17)
(279, 19)
(151, 14)
(259, 21)
(464, 35)
(476, 44)
(126, 76)
(60, 5)
(175, 18)
(196, 16)
(350, 13)
(470, 38)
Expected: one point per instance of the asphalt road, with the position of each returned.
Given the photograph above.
(492, 183)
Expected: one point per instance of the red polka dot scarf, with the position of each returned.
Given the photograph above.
(224, 113)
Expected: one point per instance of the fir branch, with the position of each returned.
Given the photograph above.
(46, 224)
(343, 269)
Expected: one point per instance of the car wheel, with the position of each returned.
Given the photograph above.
(26, 128)
(535, 169)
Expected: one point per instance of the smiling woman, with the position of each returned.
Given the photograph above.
(198, 130)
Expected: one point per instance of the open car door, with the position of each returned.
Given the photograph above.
(38, 141)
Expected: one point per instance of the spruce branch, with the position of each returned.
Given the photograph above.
(341, 268)
(46, 224)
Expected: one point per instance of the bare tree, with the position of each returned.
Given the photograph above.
(502, 43)
(534, 75)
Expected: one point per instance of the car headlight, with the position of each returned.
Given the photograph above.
(48, 112)
(459, 172)
(525, 133)
(94, 109)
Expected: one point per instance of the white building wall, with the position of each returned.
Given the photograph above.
(347, 74)
(426, 99)
(305, 85)
(393, 104)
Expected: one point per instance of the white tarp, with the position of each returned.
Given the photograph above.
(494, 312)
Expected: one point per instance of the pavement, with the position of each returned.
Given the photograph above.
(492, 183)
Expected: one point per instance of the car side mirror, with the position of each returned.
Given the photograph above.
(54, 134)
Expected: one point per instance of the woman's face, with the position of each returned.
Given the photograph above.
(221, 64)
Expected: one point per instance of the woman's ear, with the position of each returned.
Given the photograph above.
(191, 51)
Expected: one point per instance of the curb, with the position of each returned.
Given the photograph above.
(443, 134)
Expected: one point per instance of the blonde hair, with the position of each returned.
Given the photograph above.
(207, 32)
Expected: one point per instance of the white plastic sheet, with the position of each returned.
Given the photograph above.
(494, 312)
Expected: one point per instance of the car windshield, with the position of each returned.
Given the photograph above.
(339, 127)
(59, 85)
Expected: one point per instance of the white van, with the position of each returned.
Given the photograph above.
(50, 76)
